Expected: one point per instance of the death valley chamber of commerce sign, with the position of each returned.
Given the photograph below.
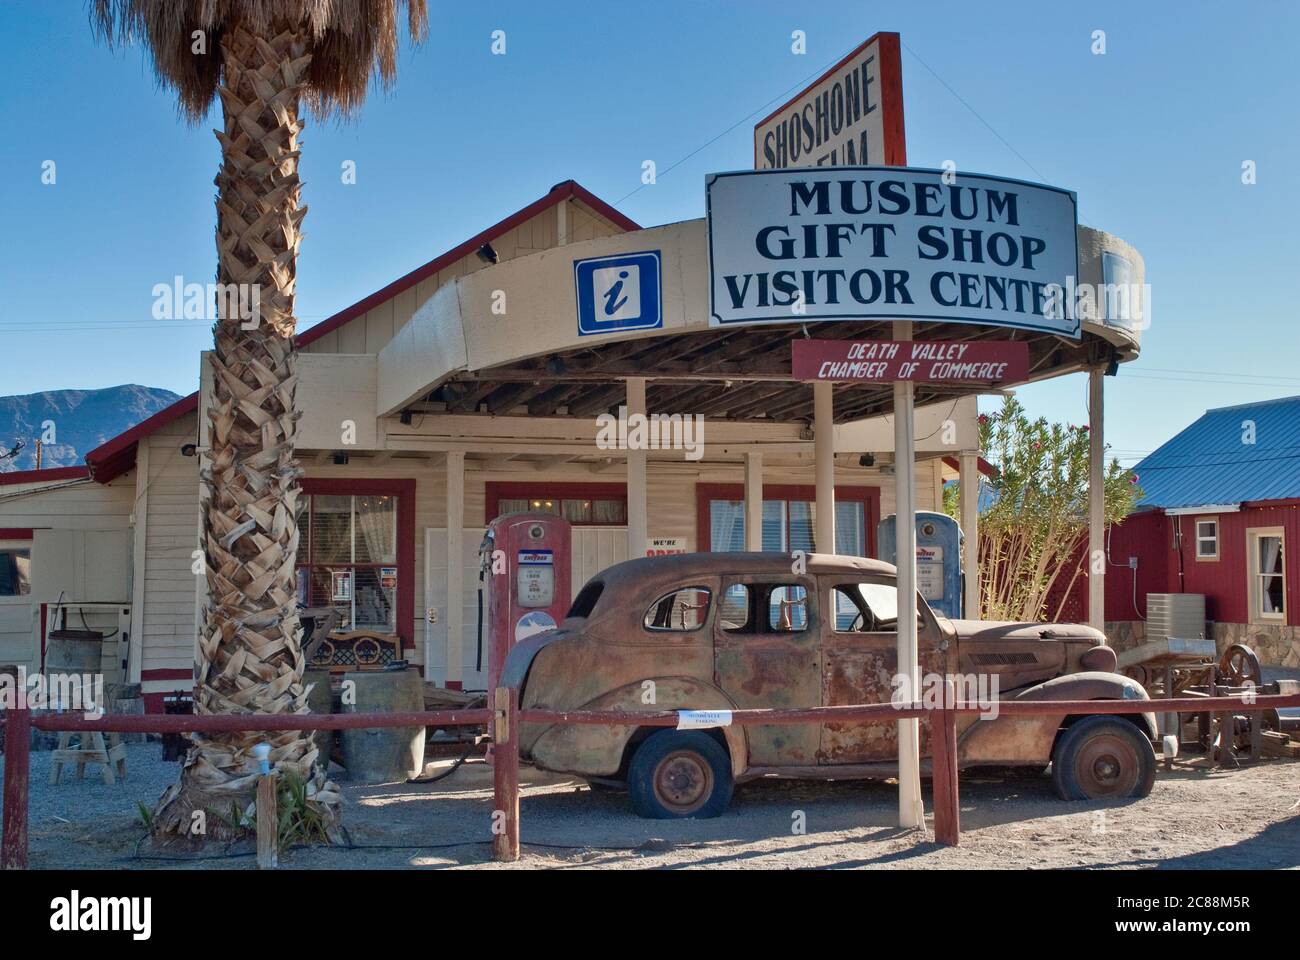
(890, 243)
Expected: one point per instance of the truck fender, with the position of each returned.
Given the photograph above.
(1020, 739)
(597, 749)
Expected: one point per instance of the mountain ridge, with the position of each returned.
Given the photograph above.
(77, 420)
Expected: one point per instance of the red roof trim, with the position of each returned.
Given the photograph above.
(114, 458)
(569, 189)
(16, 533)
(40, 476)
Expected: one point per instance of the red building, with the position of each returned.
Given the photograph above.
(1220, 516)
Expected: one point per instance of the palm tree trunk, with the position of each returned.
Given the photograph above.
(250, 659)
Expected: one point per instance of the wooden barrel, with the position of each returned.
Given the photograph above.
(79, 653)
(391, 753)
(320, 701)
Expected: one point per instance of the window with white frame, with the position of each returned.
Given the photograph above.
(1207, 539)
(1266, 558)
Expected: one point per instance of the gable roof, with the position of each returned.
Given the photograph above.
(1211, 462)
(568, 189)
(112, 459)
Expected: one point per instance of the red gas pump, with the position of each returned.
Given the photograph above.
(524, 565)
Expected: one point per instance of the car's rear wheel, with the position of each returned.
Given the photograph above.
(1103, 757)
(676, 774)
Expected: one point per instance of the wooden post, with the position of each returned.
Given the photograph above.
(454, 671)
(753, 503)
(638, 524)
(505, 775)
(1096, 499)
(824, 465)
(268, 823)
(969, 491)
(18, 745)
(943, 769)
(911, 807)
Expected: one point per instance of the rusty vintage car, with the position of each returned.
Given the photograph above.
(721, 631)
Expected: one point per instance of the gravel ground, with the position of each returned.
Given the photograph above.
(1195, 817)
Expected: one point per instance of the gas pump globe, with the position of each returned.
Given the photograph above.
(525, 568)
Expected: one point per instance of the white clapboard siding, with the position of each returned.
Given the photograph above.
(171, 537)
(83, 527)
(17, 632)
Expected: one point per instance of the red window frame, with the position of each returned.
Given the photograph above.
(704, 492)
(497, 490)
(404, 491)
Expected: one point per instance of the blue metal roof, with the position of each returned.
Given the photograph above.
(1210, 462)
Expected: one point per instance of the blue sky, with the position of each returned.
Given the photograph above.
(1151, 135)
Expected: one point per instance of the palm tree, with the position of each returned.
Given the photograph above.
(264, 59)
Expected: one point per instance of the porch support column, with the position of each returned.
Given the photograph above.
(638, 526)
(911, 811)
(824, 451)
(1096, 501)
(139, 554)
(969, 489)
(455, 570)
(753, 503)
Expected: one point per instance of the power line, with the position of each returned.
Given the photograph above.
(781, 96)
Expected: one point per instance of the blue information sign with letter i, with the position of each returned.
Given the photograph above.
(618, 293)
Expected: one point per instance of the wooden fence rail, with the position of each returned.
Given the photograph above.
(505, 716)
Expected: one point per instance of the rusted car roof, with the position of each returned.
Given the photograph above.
(644, 571)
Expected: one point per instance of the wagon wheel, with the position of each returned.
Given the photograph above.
(1239, 665)
(1139, 673)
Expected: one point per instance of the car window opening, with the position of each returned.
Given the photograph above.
(586, 599)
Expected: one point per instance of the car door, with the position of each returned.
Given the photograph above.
(767, 653)
(860, 661)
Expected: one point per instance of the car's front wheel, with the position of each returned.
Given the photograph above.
(676, 774)
(1103, 757)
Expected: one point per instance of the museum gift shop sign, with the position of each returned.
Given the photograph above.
(890, 243)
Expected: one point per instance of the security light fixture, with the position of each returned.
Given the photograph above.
(189, 449)
(866, 460)
(487, 254)
(340, 459)
(405, 417)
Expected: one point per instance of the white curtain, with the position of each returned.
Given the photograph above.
(376, 519)
(1270, 556)
(726, 525)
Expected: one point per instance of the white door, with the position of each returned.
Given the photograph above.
(435, 598)
(594, 549)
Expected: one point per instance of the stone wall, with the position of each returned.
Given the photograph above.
(1275, 645)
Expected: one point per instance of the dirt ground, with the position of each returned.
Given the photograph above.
(1195, 817)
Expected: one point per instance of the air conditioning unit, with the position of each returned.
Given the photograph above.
(1175, 615)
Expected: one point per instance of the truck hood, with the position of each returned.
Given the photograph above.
(990, 630)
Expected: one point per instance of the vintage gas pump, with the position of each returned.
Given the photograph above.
(524, 568)
(938, 559)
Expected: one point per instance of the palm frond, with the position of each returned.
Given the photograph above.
(350, 42)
